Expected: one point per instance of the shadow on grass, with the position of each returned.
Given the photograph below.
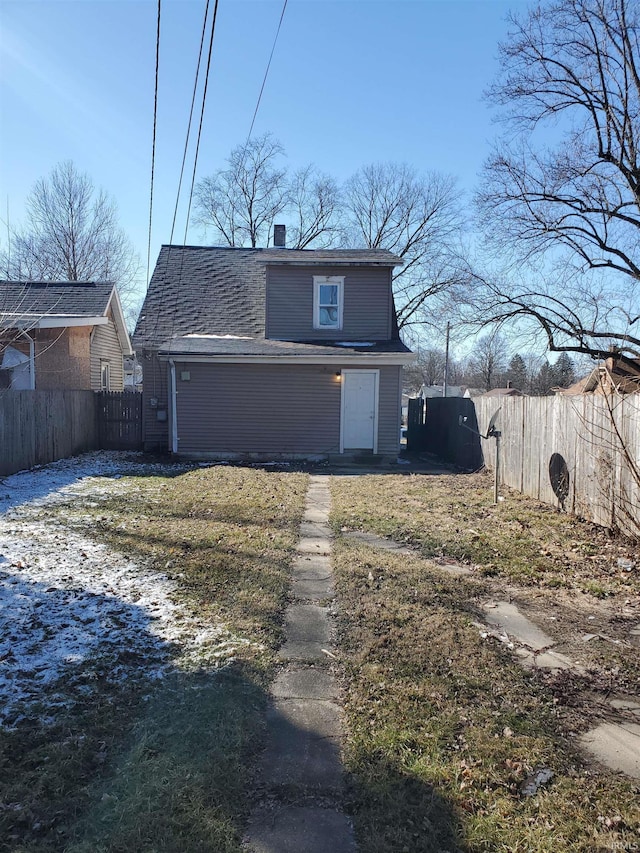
(123, 751)
(395, 811)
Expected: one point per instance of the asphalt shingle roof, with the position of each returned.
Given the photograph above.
(22, 302)
(221, 291)
(210, 345)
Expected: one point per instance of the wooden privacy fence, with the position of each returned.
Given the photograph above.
(580, 452)
(119, 416)
(37, 427)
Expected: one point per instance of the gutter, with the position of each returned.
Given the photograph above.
(174, 407)
(374, 359)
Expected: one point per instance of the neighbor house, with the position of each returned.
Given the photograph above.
(62, 335)
(271, 352)
(611, 375)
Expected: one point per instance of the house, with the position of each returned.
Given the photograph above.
(61, 335)
(612, 375)
(430, 391)
(502, 392)
(132, 374)
(271, 353)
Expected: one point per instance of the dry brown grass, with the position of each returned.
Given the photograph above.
(445, 726)
(164, 766)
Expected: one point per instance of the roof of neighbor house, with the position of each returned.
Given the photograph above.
(502, 392)
(432, 391)
(209, 300)
(612, 374)
(29, 305)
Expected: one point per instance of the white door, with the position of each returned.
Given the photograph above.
(359, 427)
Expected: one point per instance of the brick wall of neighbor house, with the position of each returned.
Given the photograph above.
(62, 359)
(105, 346)
(367, 303)
(233, 408)
(154, 387)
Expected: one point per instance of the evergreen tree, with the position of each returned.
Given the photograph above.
(517, 373)
(564, 373)
(543, 381)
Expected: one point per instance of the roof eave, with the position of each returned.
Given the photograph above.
(396, 358)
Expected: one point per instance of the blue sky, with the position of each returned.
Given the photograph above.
(351, 82)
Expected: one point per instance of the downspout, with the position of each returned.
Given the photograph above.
(174, 408)
(32, 360)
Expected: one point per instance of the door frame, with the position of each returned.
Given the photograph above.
(376, 401)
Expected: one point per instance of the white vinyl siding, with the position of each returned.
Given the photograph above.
(105, 347)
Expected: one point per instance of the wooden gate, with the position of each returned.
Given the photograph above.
(119, 416)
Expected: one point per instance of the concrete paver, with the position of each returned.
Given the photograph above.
(307, 588)
(503, 614)
(617, 746)
(312, 567)
(307, 631)
(302, 829)
(304, 682)
(302, 756)
(378, 542)
(303, 749)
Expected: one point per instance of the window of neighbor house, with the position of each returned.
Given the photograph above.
(328, 296)
(105, 376)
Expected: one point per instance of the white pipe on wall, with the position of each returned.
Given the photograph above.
(174, 407)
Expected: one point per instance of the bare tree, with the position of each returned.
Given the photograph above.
(573, 66)
(488, 362)
(418, 217)
(241, 202)
(314, 207)
(427, 369)
(71, 233)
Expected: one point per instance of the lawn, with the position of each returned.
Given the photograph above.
(147, 743)
(444, 727)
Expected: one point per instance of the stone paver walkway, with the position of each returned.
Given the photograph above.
(302, 775)
(616, 743)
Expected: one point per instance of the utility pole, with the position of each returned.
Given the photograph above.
(446, 362)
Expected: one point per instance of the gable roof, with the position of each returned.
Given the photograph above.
(221, 291)
(29, 305)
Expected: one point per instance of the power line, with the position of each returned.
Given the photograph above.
(193, 100)
(204, 100)
(195, 166)
(266, 73)
(153, 146)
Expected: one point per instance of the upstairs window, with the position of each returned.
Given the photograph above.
(328, 294)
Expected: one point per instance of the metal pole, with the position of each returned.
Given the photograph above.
(446, 362)
(496, 482)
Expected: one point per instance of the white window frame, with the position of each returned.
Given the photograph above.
(318, 281)
(105, 374)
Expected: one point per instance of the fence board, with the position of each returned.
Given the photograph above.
(598, 438)
(38, 427)
(119, 420)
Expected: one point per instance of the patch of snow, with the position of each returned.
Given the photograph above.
(66, 601)
(219, 337)
(354, 344)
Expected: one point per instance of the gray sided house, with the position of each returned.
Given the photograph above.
(65, 335)
(271, 353)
